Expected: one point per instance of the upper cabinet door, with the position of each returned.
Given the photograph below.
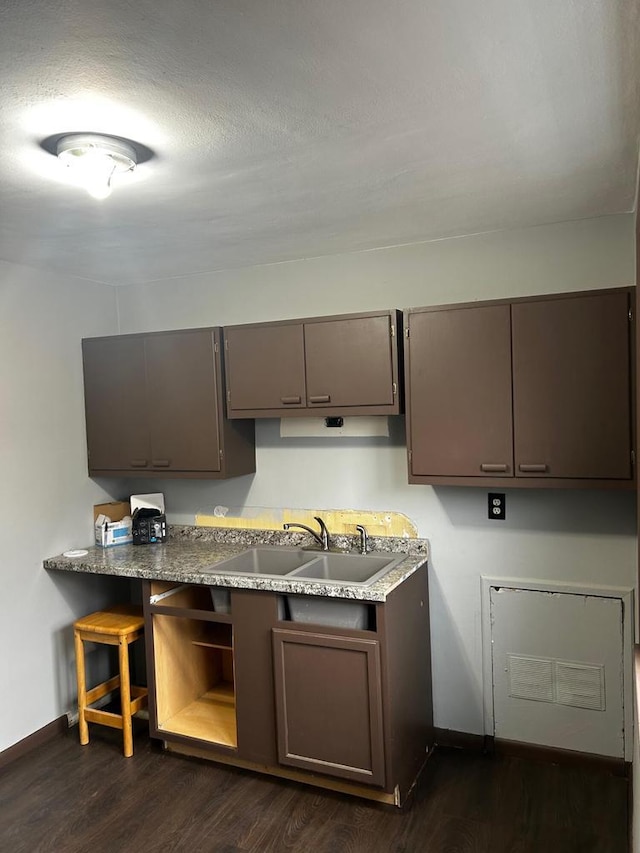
(265, 367)
(349, 362)
(183, 401)
(458, 364)
(571, 381)
(116, 404)
(341, 365)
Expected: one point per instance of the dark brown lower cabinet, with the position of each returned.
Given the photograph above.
(329, 704)
(338, 708)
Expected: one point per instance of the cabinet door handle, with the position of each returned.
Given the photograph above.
(291, 401)
(161, 463)
(138, 463)
(533, 469)
(491, 468)
(321, 398)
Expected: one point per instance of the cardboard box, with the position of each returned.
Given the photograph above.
(117, 531)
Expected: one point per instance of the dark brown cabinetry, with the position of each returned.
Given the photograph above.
(327, 365)
(571, 387)
(335, 707)
(530, 392)
(154, 407)
(329, 704)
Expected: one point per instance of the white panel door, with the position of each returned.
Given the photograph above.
(558, 670)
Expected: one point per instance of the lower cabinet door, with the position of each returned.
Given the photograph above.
(329, 704)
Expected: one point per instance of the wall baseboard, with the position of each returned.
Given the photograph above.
(33, 741)
(532, 752)
(555, 755)
(461, 740)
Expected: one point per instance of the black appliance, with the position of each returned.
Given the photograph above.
(149, 526)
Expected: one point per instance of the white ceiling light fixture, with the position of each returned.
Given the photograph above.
(94, 159)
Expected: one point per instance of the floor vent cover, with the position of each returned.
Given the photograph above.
(580, 685)
(563, 682)
(530, 678)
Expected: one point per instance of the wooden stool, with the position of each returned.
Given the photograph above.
(119, 626)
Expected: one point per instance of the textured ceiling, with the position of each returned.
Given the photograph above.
(285, 129)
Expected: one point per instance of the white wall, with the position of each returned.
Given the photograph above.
(46, 495)
(580, 255)
(573, 536)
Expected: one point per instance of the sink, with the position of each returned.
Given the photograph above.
(298, 564)
(262, 561)
(347, 568)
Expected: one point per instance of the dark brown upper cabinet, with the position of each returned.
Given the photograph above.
(527, 392)
(459, 373)
(345, 365)
(154, 408)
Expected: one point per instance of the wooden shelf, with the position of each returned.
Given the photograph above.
(211, 717)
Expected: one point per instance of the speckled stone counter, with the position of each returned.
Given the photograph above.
(191, 554)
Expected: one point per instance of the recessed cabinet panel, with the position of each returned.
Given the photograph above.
(265, 367)
(329, 705)
(116, 403)
(349, 362)
(181, 381)
(459, 373)
(571, 387)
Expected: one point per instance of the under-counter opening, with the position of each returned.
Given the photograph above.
(181, 596)
(194, 678)
(327, 612)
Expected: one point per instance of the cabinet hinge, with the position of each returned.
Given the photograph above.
(226, 344)
(229, 397)
(631, 313)
(215, 346)
(409, 455)
(406, 333)
(393, 331)
(395, 389)
(221, 453)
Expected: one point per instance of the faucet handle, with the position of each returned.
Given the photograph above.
(364, 538)
(324, 533)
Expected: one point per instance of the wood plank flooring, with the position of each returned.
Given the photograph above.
(64, 798)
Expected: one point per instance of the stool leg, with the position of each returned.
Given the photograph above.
(125, 697)
(82, 688)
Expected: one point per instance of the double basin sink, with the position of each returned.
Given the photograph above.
(298, 564)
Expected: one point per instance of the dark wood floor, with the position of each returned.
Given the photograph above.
(67, 799)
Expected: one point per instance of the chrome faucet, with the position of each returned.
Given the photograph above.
(322, 539)
(364, 539)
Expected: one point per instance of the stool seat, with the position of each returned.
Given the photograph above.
(118, 626)
(117, 621)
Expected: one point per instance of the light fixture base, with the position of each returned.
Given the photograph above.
(95, 159)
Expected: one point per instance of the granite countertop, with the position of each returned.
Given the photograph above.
(190, 551)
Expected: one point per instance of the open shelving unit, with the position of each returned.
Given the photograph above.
(193, 666)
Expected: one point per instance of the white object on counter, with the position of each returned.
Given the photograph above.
(153, 501)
